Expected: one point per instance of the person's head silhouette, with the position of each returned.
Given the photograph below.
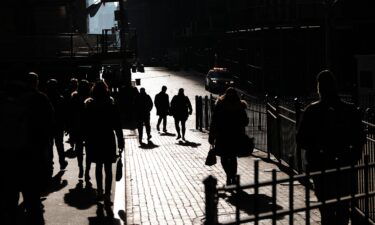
(142, 91)
(51, 86)
(326, 85)
(231, 95)
(181, 92)
(164, 89)
(100, 90)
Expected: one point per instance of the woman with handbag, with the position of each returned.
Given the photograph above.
(227, 131)
(102, 122)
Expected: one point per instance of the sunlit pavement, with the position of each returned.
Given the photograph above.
(164, 181)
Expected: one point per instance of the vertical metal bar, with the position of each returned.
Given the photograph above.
(211, 201)
(352, 191)
(196, 113)
(367, 188)
(206, 112)
(200, 113)
(338, 178)
(238, 220)
(307, 195)
(256, 191)
(279, 130)
(291, 193)
(274, 197)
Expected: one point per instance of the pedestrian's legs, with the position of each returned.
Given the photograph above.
(183, 127)
(176, 121)
(165, 123)
(322, 190)
(108, 179)
(59, 142)
(229, 165)
(87, 171)
(99, 178)
(33, 205)
(79, 151)
(158, 124)
(148, 129)
(140, 131)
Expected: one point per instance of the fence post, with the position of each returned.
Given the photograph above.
(297, 107)
(307, 194)
(200, 113)
(268, 127)
(291, 192)
(274, 197)
(256, 191)
(211, 201)
(278, 122)
(196, 112)
(206, 112)
(367, 196)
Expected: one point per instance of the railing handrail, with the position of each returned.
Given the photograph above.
(298, 177)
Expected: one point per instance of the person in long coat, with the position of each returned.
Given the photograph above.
(143, 106)
(102, 128)
(162, 108)
(229, 120)
(180, 110)
(76, 127)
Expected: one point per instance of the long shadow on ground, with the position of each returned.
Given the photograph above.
(104, 216)
(246, 202)
(81, 197)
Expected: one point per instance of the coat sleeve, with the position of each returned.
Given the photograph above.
(189, 105)
(118, 128)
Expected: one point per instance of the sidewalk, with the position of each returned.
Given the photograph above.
(164, 182)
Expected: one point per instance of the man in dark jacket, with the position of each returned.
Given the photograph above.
(162, 108)
(144, 106)
(331, 133)
(181, 109)
(58, 103)
(26, 125)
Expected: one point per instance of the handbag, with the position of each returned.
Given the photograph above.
(119, 168)
(245, 146)
(211, 157)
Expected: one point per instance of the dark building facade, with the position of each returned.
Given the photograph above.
(274, 46)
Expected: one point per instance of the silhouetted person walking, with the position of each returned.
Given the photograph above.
(162, 108)
(180, 110)
(144, 106)
(71, 88)
(59, 106)
(26, 125)
(76, 130)
(102, 122)
(331, 133)
(229, 120)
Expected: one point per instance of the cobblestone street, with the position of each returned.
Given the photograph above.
(164, 182)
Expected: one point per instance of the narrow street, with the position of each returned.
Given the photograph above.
(163, 184)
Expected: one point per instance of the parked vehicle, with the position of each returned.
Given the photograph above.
(218, 80)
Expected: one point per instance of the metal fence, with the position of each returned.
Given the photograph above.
(354, 196)
(273, 124)
(256, 112)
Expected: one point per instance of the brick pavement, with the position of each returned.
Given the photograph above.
(164, 183)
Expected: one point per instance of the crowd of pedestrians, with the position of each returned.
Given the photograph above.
(34, 120)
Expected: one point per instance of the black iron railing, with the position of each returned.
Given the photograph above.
(354, 196)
